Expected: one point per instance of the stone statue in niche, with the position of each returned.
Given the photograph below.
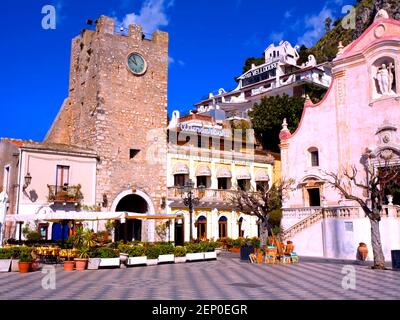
(385, 79)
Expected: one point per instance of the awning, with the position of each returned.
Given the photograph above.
(87, 216)
(243, 174)
(180, 168)
(203, 171)
(262, 175)
(224, 172)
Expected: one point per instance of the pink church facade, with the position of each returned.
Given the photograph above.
(359, 115)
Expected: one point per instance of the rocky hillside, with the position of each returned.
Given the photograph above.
(326, 48)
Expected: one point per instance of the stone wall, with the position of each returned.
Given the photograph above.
(111, 111)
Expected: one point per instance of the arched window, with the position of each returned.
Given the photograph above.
(241, 232)
(223, 228)
(202, 228)
(314, 157)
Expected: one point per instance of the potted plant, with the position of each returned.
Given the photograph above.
(68, 256)
(180, 254)
(108, 257)
(83, 241)
(166, 254)
(209, 250)
(237, 244)
(137, 256)
(194, 252)
(82, 259)
(25, 262)
(152, 253)
(5, 259)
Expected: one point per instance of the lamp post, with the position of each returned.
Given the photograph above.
(189, 199)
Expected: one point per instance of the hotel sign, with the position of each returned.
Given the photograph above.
(261, 70)
(203, 131)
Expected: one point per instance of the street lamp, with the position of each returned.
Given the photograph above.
(27, 181)
(189, 199)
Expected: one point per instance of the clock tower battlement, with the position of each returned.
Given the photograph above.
(117, 98)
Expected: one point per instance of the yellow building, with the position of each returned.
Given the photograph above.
(212, 155)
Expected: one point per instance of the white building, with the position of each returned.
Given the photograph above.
(280, 74)
(359, 115)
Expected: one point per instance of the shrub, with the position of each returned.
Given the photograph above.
(194, 248)
(209, 246)
(104, 253)
(152, 252)
(166, 249)
(179, 251)
(6, 253)
(17, 252)
(33, 236)
(238, 242)
(137, 251)
(255, 242)
(25, 257)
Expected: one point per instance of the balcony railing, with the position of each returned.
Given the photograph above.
(66, 194)
(208, 195)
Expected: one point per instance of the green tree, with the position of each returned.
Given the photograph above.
(262, 203)
(304, 52)
(252, 60)
(267, 117)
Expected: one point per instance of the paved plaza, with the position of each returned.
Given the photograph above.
(225, 279)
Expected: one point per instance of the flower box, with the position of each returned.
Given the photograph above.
(166, 258)
(152, 262)
(180, 259)
(137, 261)
(210, 255)
(195, 256)
(93, 263)
(110, 262)
(5, 265)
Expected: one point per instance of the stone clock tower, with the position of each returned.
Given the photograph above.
(117, 106)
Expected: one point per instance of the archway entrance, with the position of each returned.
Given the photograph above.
(131, 230)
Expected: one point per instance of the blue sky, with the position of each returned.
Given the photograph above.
(209, 42)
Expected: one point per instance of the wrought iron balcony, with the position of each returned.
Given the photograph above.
(65, 194)
(208, 195)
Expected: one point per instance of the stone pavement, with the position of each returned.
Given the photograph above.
(225, 279)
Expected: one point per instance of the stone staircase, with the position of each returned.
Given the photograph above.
(310, 216)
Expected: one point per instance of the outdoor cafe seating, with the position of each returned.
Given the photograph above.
(276, 252)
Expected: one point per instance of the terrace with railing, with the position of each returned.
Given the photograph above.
(65, 194)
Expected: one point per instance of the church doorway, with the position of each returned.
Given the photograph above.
(314, 197)
(131, 230)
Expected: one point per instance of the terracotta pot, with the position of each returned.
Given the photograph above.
(24, 267)
(237, 250)
(362, 252)
(81, 264)
(69, 265)
(260, 257)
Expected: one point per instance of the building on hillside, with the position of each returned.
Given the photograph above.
(280, 74)
(116, 112)
(360, 115)
(212, 155)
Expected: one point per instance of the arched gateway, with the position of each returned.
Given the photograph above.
(139, 204)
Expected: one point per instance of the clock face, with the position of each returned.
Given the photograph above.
(137, 64)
